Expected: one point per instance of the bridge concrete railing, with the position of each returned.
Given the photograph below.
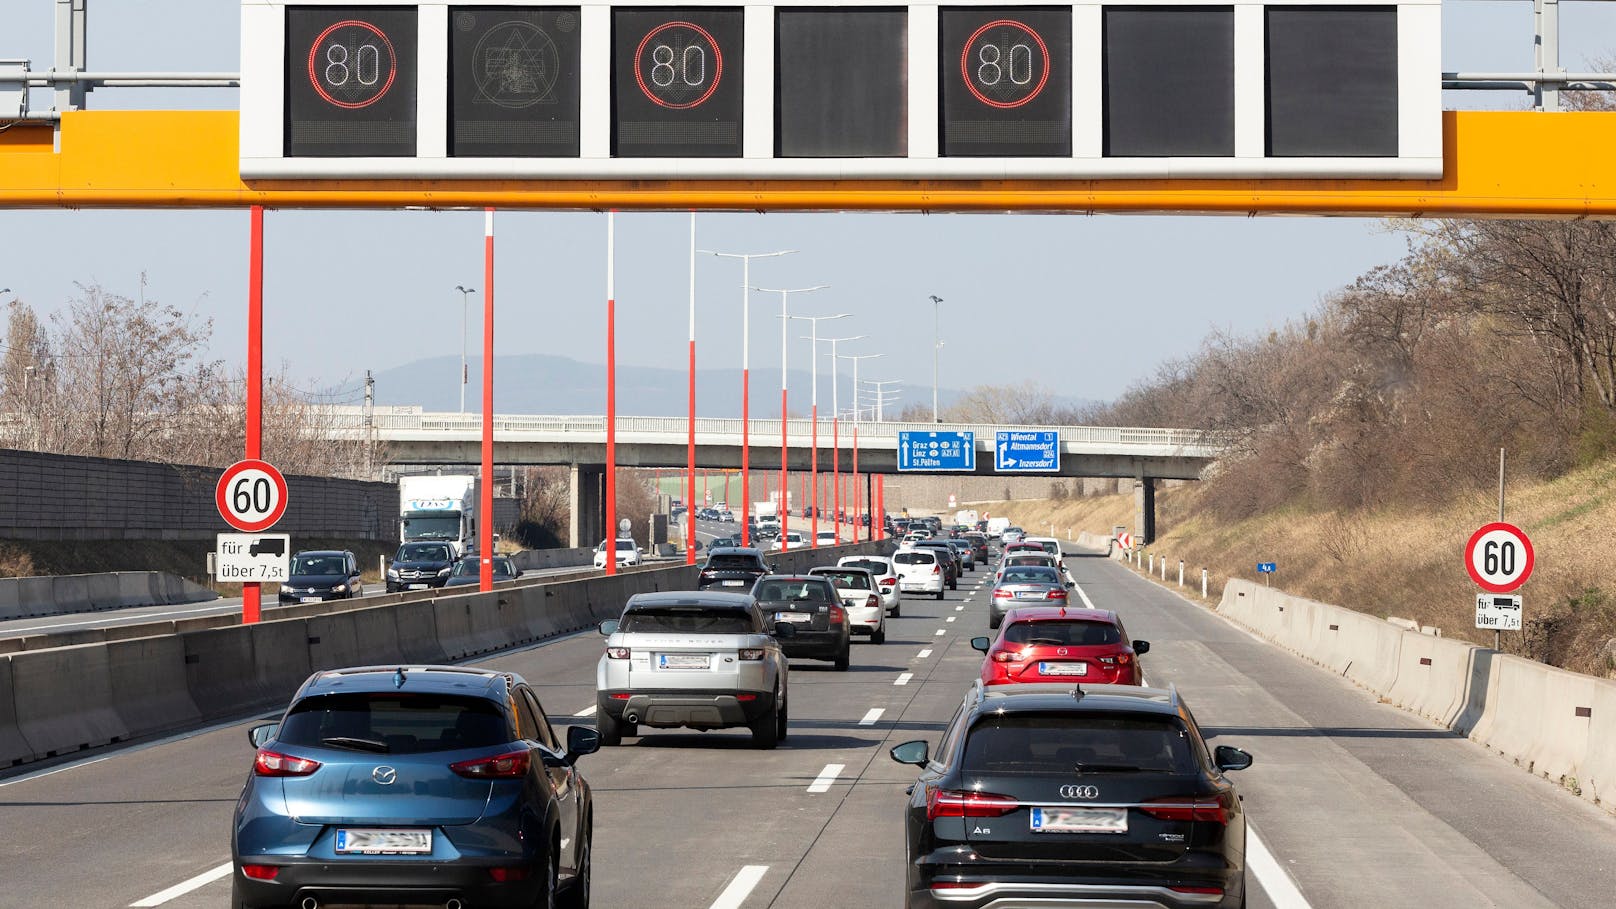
(57, 700)
(1557, 724)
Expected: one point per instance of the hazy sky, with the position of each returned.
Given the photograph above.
(1085, 305)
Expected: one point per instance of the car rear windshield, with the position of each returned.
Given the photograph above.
(394, 723)
(1031, 574)
(733, 563)
(1050, 546)
(1066, 744)
(915, 558)
(423, 552)
(686, 619)
(875, 566)
(814, 591)
(1062, 632)
(854, 580)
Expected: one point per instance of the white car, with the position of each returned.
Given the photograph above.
(1050, 544)
(860, 600)
(827, 538)
(628, 553)
(886, 578)
(919, 572)
(792, 540)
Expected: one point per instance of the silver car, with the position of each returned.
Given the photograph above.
(1026, 585)
(695, 659)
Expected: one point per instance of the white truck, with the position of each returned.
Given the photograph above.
(439, 509)
(967, 517)
(997, 526)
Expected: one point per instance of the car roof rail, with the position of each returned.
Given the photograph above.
(1172, 695)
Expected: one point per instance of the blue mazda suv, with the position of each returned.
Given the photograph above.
(415, 785)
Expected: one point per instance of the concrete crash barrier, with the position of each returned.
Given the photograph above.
(10, 602)
(138, 588)
(103, 591)
(544, 559)
(280, 658)
(149, 693)
(1598, 770)
(1433, 677)
(417, 630)
(36, 596)
(14, 749)
(71, 593)
(334, 643)
(63, 699)
(219, 671)
(1539, 716)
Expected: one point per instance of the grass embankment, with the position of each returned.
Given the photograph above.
(1403, 561)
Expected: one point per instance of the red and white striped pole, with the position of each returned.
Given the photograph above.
(485, 530)
(611, 393)
(855, 483)
(690, 454)
(252, 591)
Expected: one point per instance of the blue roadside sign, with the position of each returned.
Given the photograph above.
(1027, 452)
(937, 451)
(1267, 567)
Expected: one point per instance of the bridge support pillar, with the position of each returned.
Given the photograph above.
(1144, 502)
(587, 525)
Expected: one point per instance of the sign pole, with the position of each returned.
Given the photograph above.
(1498, 635)
(690, 419)
(252, 591)
(485, 532)
(611, 394)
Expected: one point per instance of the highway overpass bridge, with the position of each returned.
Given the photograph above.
(409, 435)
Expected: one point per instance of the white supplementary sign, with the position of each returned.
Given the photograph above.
(239, 558)
(1498, 611)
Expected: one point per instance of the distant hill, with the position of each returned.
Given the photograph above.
(544, 384)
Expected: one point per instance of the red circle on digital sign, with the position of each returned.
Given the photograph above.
(965, 64)
(683, 64)
(352, 68)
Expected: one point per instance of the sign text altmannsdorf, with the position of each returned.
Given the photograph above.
(937, 451)
(1027, 452)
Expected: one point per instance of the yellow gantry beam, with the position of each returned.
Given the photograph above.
(1496, 164)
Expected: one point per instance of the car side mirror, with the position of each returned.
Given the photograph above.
(917, 753)
(784, 630)
(1228, 757)
(1071, 585)
(981, 644)
(1140, 648)
(609, 627)
(581, 740)
(262, 735)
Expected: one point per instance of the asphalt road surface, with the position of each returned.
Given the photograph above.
(1355, 803)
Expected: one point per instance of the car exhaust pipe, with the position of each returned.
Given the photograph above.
(310, 902)
(452, 903)
(631, 718)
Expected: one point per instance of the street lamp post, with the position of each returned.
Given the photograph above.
(855, 358)
(813, 451)
(465, 293)
(746, 377)
(936, 350)
(881, 396)
(836, 433)
(785, 461)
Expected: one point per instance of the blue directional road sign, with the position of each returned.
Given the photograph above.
(937, 451)
(1027, 452)
(1267, 567)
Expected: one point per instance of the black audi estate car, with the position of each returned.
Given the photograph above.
(1058, 795)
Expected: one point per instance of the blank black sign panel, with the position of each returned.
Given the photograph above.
(1169, 82)
(1332, 81)
(676, 82)
(350, 81)
(1006, 79)
(841, 83)
(513, 77)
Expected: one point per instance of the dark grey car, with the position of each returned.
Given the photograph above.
(322, 574)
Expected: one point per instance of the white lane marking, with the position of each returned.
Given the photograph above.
(923, 654)
(951, 618)
(184, 887)
(1281, 890)
(110, 619)
(903, 678)
(959, 608)
(941, 632)
(740, 887)
(827, 776)
(587, 711)
(872, 716)
(1086, 601)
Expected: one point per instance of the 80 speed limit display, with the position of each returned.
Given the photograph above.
(676, 82)
(350, 81)
(1006, 81)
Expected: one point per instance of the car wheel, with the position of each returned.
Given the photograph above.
(994, 621)
(939, 594)
(785, 704)
(896, 608)
(766, 729)
(609, 727)
(547, 897)
(844, 660)
(577, 895)
(953, 585)
(236, 900)
(880, 636)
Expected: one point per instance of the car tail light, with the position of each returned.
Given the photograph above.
(507, 875)
(959, 803)
(1186, 888)
(872, 601)
(837, 615)
(1002, 594)
(261, 872)
(511, 765)
(1008, 656)
(273, 763)
(751, 654)
(936, 569)
(1120, 659)
(746, 697)
(620, 696)
(617, 653)
(1188, 808)
(1055, 595)
(889, 581)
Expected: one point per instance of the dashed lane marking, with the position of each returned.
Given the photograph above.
(184, 887)
(740, 887)
(1270, 874)
(941, 632)
(959, 608)
(587, 711)
(951, 618)
(923, 654)
(826, 777)
(903, 679)
(872, 716)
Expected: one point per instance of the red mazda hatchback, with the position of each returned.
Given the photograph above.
(1053, 644)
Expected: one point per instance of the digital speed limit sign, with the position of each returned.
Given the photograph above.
(677, 82)
(1006, 81)
(350, 81)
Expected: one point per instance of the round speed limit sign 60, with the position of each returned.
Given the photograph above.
(251, 495)
(1499, 557)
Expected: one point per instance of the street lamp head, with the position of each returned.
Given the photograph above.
(465, 290)
(767, 255)
(936, 299)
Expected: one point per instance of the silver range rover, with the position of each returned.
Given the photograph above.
(700, 660)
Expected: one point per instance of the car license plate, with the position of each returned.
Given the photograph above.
(1025, 594)
(734, 584)
(415, 586)
(1079, 820)
(311, 599)
(1063, 669)
(384, 842)
(799, 617)
(683, 660)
